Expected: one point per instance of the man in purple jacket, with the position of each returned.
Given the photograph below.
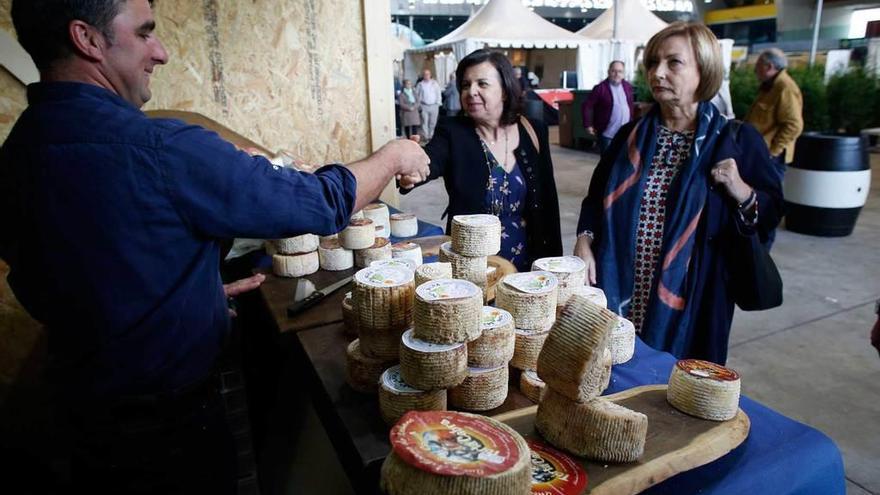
(609, 106)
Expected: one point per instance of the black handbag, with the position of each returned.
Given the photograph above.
(755, 281)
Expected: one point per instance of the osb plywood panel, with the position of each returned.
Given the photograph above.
(289, 74)
(12, 102)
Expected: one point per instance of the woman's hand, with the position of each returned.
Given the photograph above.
(582, 250)
(726, 173)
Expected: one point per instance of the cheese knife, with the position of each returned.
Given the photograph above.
(316, 296)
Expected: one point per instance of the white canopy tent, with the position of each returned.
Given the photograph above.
(498, 24)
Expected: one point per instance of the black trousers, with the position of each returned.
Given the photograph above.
(176, 443)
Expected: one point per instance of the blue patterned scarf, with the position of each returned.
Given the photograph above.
(668, 314)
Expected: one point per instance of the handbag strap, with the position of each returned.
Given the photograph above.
(531, 132)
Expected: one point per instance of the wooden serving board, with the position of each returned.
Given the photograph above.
(676, 442)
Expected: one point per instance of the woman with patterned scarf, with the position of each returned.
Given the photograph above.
(671, 196)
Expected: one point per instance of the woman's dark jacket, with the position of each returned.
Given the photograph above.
(715, 251)
(457, 156)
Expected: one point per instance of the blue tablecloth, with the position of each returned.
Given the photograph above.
(780, 456)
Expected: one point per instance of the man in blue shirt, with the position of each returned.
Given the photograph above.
(111, 228)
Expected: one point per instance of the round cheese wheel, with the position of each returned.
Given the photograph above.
(448, 311)
(598, 429)
(429, 366)
(569, 270)
(295, 265)
(333, 257)
(433, 271)
(476, 235)
(531, 386)
(383, 231)
(623, 341)
(380, 250)
(483, 389)
(383, 297)
(379, 214)
(360, 234)
(305, 243)
(527, 347)
(349, 316)
(495, 345)
(594, 294)
(404, 225)
(554, 472)
(408, 251)
(704, 389)
(396, 397)
(472, 269)
(361, 372)
(403, 263)
(530, 297)
(445, 452)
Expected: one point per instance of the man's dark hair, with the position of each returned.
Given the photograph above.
(42, 25)
(509, 85)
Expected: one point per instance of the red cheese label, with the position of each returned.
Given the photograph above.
(706, 369)
(453, 444)
(555, 473)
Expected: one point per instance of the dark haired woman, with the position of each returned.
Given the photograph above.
(493, 160)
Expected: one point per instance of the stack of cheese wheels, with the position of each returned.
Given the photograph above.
(396, 397)
(327, 238)
(704, 389)
(383, 297)
(470, 268)
(623, 341)
(379, 214)
(362, 372)
(448, 311)
(333, 257)
(357, 215)
(530, 297)
(476, 235)
(594, 294)
(295, 256)
(408, 264)
(481, 390)
(446, 452)
(380, 250)
(527, 347)
(554, 472)
(429, 366)
(382, 231)
(569, 270)
(433, 271)
(404, 225)
(495, 345)
(407, 251)
(531, 386)
(349, 316)
(575, 365)
(360, 234)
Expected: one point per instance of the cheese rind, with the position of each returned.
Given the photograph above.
(349, 316)
(594, 294)
(433, 271)
(305, 243)
(476, 235)
(569, 270)
(704, 389)
(428, 366)
(361, 372)
(623, 341)
(598, 429)
(531, 386)
(497, 341)
(383, 296)
(470, 268)
(404, 225)
(295, 265)
(530, 297)
(379, 214)
(408, 251)
(527, 348)
(360, 234)
(448, 311)
(380, 250)
(396, 397)
(333, 257)
(482, 389)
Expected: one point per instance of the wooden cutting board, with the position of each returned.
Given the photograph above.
(676, 442)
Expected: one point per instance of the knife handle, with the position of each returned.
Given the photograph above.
(300, 306)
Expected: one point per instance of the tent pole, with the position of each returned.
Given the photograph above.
(614, 31)
(816, 32)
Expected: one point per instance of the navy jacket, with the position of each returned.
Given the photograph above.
(111, 227)
(457, 156)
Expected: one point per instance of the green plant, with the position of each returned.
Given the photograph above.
(743, 89)
(641, 88)
(856, 98)
(811, 81)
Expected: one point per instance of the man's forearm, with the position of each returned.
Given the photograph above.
(372, 176)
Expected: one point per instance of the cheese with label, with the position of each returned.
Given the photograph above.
(555, 473)
(380, 250)
(429, 366)
(495, 345)
(408, 251)
(623, 341)
(333, 257)
(360, 234)
(383, 297)
(396, 397)
(704, 389)
(305, 243)
(527, 347)
(433, 271)
(530, 297)
(598, 429)
(483, 389)
(361, 372)
(349, 316)
(408, 264)
(295, 265)
(404, 225)
(448, 311)
(531, 386)
(472, 269)
(594, 294)
(453, 453)
(476, 235)
(574, 349)
(569, 270)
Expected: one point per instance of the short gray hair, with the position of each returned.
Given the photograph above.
(774, 57)
(616, 62)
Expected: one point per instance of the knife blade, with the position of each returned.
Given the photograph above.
(315, 297)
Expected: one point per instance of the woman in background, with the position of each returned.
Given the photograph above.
(409, 109)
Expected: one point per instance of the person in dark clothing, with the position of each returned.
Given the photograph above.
(493, 160)
(609, 106)
(112, 231)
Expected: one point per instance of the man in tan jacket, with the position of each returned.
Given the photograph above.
(777, 111)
